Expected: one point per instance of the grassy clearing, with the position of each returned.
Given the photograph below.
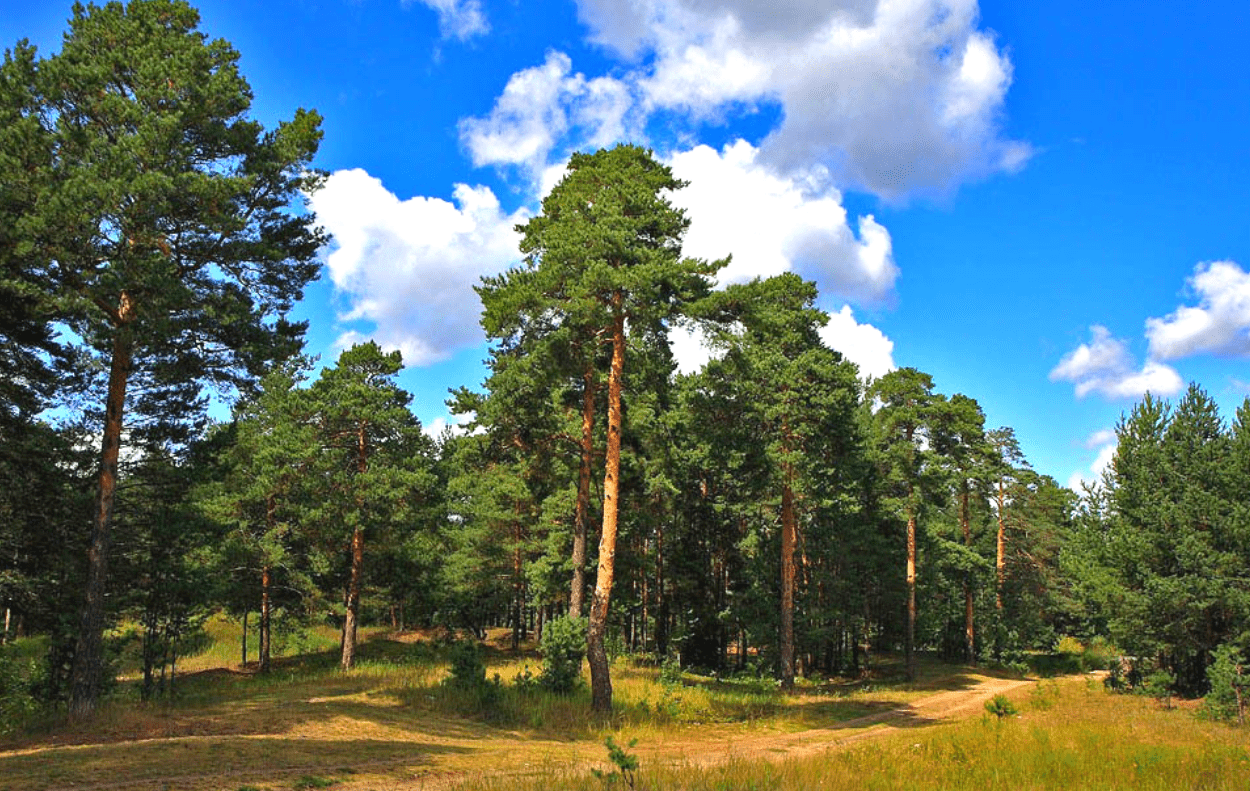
(393, 722)
(1069, 735)
(394, 718)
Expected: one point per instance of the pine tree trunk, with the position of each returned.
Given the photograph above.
(353, 600)
(517, 582)
(909, 645)
(265, 611)
(352, 616)
(582, 517)
(88, 667)
(789, 540)
(1000, 554)
(596, 651)
(969, 614)
(244, 641)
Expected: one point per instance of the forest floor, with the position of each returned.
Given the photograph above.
(388, 726)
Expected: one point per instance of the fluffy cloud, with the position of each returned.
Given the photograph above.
(409, 266)
(862, 344)
(460, 19)
(1105, 366)
(542, 106)
(1105, 442)
(773, 224)
(892, 96)
(1220, 324)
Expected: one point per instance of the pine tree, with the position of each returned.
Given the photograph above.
(156, 213)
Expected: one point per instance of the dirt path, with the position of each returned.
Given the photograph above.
(443, 756)
(540, 758)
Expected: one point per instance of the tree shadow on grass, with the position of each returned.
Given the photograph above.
(211, 762)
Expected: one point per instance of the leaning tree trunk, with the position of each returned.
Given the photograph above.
(578, 589)
(88, 668)
(596, 652)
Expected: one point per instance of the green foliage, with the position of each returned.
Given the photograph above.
(563, 648)
(1163, 557)
(670, 673)
(1230, 686)
(626, 764)
(20, 679)
(468, 670)
(1000, 706)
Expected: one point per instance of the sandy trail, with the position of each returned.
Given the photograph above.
(433, 761)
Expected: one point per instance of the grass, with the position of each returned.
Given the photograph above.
(392, 720)
(1069, 735)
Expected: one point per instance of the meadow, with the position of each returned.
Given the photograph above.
(395, 722)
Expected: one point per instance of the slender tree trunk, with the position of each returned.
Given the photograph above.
(1000, 554)
(582, 518)
(88, 667)
(596, 651)
(265, 617)
(353, 600)
(969, 613)
(661, 603)
(352, 617)
(909, 644)
(517, 584)
(8, 615)
(789, 540)
(244, 641)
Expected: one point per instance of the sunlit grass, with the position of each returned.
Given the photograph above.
(1071, 735)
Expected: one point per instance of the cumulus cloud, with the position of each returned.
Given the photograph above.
(773, 224)
(1105, 366)
(1105, 442)
(545, 107)
(1219, 324)
(453, 423)
(862, 344)
(409, 266)
(461, 19)
(892, 96)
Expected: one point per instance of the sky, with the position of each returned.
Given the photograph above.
(1045, 206)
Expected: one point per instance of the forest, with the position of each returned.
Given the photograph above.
(170, 453)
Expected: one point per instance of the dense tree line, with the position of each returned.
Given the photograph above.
(772, 512)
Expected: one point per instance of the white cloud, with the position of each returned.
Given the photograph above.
(455, 423)
(690, 348)
(773, 224)
(409, 266)
(460, 19)
(1106, 443)
(1105, 366)
(894, 96)
(545, 107)
(1220, 324)
(862, 344)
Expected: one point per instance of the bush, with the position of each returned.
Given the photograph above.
(1224, 675)
(468, 671)
(1000, 707)
(19, 680)
(563, 647)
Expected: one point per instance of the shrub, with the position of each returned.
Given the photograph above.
(468, 671)
(1225, 675)
(1158, 685)
(1000, 707)
(20, 679)
(563, 647)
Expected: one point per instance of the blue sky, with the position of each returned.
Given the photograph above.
(1045, 206)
